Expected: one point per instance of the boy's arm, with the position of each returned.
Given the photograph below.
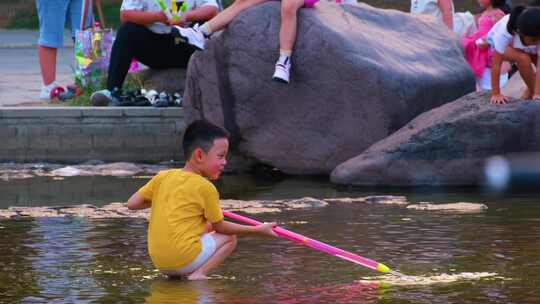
(225, 227)
(137, 202)
(536, 92)
(496, 96)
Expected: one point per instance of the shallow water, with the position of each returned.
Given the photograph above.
(90, 260)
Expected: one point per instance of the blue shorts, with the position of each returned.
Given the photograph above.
(53, 16)
(208, 248)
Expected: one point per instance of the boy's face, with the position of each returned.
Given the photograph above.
(213, 162)
(528, 40)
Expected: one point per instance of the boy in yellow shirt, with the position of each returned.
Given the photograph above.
(187, 234)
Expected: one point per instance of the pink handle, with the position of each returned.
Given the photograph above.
(309, 242)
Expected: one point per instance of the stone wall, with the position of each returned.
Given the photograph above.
(78, 134)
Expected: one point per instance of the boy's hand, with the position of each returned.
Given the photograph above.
(536, 97)
(267, 229)
(499, 99)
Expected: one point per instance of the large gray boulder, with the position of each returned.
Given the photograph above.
(447, 145)
(359, 74)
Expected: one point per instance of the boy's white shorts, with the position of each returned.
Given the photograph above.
(208, 247)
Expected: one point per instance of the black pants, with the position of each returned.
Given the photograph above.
(158, 51)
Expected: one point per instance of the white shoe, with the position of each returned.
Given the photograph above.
(50, 91)
(192, 35)
(281, 73)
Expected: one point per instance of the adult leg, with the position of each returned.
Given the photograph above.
(225, 245)
(129, 38)
(161, 52)
(52, 16)
(47, 64)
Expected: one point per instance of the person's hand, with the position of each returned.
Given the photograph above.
(182, 22)
(161, 17)
(267, 229)
(499, 99)
(483, 46)
(536, 97)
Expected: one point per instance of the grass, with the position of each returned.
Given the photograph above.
(133, 82)
(22, 14)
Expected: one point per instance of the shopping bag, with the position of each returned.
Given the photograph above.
(92, 48)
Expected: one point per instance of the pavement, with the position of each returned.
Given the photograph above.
(20, 77)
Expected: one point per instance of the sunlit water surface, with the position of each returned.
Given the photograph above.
(86, 260)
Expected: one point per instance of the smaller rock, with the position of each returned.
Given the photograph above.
(456, 207)
(376, 199)
(7, 213)
(67, 171)
(387, 200)
(36, 212)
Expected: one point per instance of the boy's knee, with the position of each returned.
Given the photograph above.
(232, 241)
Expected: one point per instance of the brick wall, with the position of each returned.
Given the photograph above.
(75, 135)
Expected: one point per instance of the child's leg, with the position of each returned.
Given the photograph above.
(287, 37)
(47, 64)
(225, 245)
(524, 64)
(227, 15)
(287, 32)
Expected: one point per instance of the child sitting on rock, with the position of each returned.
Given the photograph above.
(443, 10)
(516, 38)
(477, 51)
(187, 234)
(287, 34)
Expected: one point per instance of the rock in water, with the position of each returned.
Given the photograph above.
(447, 145)
(359, 74)
(456, 207)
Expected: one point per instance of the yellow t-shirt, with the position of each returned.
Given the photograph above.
(182, 203)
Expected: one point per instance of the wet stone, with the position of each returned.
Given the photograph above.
(7, 213)
(455, 207)
(10, 171)
(120, 210)
(36, 212)
(377, 199)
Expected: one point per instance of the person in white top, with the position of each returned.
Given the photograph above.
(443, 10)
(145, 34)
(516, 38)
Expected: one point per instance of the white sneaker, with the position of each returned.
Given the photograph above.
(281, 73)
(192, 35)
(50, 91)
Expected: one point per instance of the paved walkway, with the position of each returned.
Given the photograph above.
(20, 77)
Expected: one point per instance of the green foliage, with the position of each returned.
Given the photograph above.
(133, 82)
(26, 17)
(24, 20)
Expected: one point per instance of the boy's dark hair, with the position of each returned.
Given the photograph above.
(201, 134)
(502, 5)
(525, 19)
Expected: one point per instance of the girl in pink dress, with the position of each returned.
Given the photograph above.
(477, 51)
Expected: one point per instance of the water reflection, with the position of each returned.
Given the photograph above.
(105, 261)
